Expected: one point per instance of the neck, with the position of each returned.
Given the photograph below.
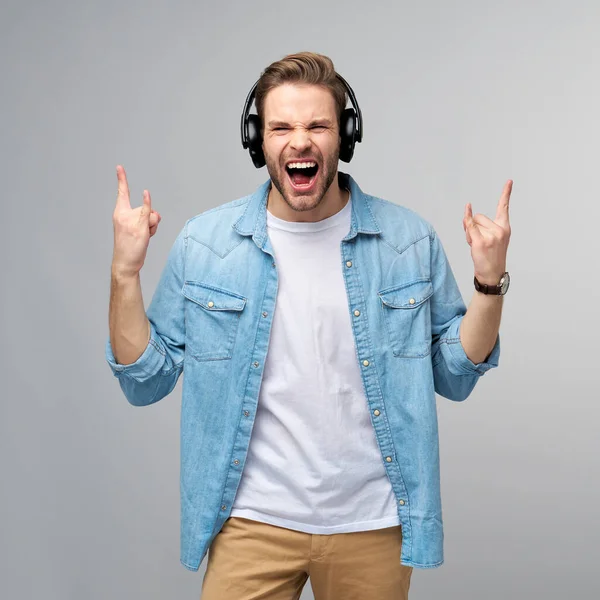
(333, 201)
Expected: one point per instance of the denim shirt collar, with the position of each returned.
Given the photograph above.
(254, 219)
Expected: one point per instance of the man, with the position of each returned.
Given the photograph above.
(314, 324)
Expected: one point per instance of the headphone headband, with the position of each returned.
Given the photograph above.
(352, 121)
(353, 101)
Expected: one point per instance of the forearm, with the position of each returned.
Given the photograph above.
(480, 326)
(128, 324)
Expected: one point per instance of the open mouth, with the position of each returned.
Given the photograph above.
(302, 175)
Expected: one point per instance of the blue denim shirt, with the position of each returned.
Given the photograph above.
(211, 316)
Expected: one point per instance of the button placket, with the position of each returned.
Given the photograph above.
(356, 313)
(357, 326)
(255, 364)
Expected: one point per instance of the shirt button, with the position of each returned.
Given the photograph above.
(376, 413)
(389, 459)
(246, 413)
(255, 364)
(411, 301)
(223, 507)
(264, 314)
(349, 263)
(211, 304)
(366, 363)
(357, 313)
(401, 503)
(236, 462)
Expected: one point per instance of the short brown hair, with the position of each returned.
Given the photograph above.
(302, 67)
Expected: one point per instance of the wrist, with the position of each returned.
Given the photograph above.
(123, 275)
(489, 278)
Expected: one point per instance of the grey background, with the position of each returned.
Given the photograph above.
(457, 98)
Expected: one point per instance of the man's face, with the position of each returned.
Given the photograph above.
(300, 125)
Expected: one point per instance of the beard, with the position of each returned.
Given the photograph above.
(297, 200)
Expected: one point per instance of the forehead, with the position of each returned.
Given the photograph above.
(299, 102)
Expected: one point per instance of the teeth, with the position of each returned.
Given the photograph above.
(301, 165)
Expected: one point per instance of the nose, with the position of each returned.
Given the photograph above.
(300, 139)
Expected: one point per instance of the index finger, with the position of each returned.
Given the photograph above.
(122, 189)
(504, 203)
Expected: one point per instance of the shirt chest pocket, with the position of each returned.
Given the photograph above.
(212, 318)
(407, 317)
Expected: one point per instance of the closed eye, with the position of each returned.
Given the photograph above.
(318, 127)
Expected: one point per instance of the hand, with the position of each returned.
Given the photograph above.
(133, 228)
(489, 239)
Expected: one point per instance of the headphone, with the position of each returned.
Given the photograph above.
(351, 128)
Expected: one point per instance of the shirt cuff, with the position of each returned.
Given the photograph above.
(456, 358)
(145, 366)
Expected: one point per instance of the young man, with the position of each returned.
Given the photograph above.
(315, 324)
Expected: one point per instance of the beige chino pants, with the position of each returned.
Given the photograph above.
(251, 560)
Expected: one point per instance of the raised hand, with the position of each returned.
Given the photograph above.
(489, 239)
(133, 228)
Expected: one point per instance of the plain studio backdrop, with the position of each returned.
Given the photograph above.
(457, 98)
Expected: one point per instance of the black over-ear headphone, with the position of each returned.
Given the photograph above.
(351, 128)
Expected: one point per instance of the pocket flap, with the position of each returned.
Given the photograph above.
(212, 298)
(407, 295)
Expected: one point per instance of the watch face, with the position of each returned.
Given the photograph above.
(505, 283)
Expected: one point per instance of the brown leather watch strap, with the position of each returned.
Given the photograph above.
(484, 288)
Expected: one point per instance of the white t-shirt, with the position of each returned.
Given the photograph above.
(313, 463)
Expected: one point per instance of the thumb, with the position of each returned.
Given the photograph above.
(154, 219)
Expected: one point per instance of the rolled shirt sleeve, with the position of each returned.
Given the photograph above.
(149, 363)
(454, 354)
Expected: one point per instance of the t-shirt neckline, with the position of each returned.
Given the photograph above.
(310, 227)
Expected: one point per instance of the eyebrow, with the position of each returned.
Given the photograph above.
(323, 121)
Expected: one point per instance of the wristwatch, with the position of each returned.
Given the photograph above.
(497, 290)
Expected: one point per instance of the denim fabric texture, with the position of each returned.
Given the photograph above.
(211, 316)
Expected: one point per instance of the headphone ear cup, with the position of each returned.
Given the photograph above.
(255, 141)
(347, 134)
